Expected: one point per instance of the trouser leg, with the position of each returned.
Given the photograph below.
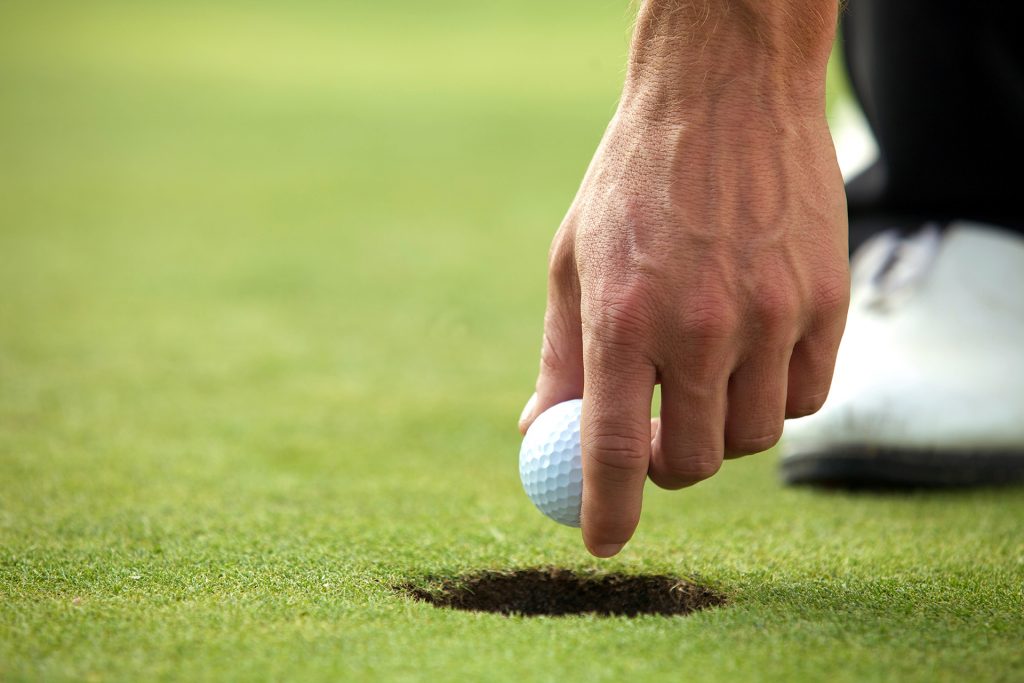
(942, 85)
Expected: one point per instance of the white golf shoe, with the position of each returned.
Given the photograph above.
(929, 382)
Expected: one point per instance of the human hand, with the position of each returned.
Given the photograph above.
(706, 250)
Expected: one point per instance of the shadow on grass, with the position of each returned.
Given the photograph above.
(561, 592)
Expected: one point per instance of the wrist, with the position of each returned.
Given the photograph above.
(743, 56)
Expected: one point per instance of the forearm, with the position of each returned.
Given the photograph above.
(747, 53)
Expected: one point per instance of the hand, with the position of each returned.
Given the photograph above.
(706, 250)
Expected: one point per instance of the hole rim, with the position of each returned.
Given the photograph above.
(654, 594)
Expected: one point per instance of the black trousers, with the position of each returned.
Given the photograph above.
(942, 85)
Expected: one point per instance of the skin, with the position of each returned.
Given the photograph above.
(706, 250)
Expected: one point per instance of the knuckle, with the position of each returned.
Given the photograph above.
(621, 455)
(743, 444)
(694, 467)
(831, 295)
(561, 259)
(621, 317)
(550, 359)
(807, 405)
(802, 410)
(561, 349)
(710, 320)
(706, 467)
(777, 312)
(813, 360)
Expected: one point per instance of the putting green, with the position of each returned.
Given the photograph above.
(271, 285)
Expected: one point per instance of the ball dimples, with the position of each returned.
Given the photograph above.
(551, 463)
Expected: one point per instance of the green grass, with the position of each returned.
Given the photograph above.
(271, 280)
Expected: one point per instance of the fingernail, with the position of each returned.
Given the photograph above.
(528, 408)
(607, 549)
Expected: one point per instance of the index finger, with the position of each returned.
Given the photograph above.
(615, 434)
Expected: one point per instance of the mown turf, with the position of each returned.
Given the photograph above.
(271, 279)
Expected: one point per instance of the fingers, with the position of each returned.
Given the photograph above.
(810, 376)
(757, 403)
(616, 439)
(811, 366)
(561, 357)
(689, 446)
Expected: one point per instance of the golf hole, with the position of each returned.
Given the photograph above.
(560, 592)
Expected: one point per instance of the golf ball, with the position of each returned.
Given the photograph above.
(551, 463)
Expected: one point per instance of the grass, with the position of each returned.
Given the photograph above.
(271, 286)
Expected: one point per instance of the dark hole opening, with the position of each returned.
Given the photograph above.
(558, 592)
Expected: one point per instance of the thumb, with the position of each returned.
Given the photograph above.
(561, 356)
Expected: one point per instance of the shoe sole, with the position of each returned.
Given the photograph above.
(874, 467)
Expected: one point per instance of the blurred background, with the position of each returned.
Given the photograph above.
(211, 200)
(253, 191)
(305, 239)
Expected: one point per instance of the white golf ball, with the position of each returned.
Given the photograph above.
(551, 463)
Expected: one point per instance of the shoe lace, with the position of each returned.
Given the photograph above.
(890, 266)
